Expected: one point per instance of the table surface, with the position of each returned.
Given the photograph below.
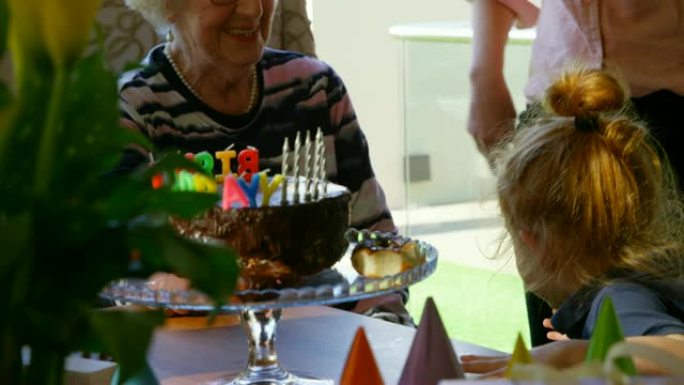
(313, 340)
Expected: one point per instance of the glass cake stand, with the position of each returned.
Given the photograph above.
(260, 311)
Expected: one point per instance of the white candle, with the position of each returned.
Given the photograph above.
(318, 142)
(307, 167)
(322, 174)
(297, 144)
(283, 171)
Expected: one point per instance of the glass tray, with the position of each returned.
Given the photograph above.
(340, 283)
(260, 311)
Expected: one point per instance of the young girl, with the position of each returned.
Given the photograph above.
(593, 211)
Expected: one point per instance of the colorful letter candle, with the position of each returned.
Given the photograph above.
(233, 194)
(184, 181)
(225, 157)
(251, 188)
(203, 183)
(295, 171)
(248, 163)
(158, 181)
(268, 187)
(284, 170)
(206, 161)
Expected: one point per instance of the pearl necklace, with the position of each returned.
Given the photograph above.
(254, 86)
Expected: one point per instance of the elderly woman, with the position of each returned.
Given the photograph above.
(214, 84)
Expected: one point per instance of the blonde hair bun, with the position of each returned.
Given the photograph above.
(585, 92)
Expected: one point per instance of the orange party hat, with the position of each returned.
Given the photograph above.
(432, 357)
(361, 368)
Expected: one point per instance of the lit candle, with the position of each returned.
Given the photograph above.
(283, 171)
(250, 187)
(232, 193)
(297, 144)
(248, 163)
(307, 167)
(268, 188)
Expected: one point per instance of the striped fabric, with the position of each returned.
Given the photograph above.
(299, 94)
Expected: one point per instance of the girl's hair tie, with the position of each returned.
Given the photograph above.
(587, 123)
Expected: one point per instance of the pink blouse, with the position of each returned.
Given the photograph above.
(641, 40)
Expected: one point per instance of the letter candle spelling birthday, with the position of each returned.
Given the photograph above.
(284, 170)
(295, 172)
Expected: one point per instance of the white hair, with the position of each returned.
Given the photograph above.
(154, 11)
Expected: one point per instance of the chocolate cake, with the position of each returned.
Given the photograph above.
(279, 242)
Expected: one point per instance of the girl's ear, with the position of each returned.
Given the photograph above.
(536, 247)
(530, 240)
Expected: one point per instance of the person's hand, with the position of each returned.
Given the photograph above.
(488, 366)
(558, 354)
(552, 334)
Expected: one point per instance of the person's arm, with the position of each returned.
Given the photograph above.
(492, 113)
(567, 353)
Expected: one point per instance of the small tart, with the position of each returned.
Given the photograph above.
(380, 262)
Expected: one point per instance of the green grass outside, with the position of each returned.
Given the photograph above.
(476, 305)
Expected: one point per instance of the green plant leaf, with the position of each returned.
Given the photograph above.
(125, 335)
(606, 333)
(211, 269)
(4, 23)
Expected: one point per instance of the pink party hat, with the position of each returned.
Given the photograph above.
(361, 368)
(431, 358)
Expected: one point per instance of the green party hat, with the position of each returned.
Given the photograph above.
(606, 333)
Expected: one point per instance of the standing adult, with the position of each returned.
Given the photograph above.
(642, 41)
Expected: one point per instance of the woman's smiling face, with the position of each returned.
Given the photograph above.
(224, 31)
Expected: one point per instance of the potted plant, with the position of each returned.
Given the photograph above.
(67, 225)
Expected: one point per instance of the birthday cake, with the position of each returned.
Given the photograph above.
(282, 226)
(277, 243)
